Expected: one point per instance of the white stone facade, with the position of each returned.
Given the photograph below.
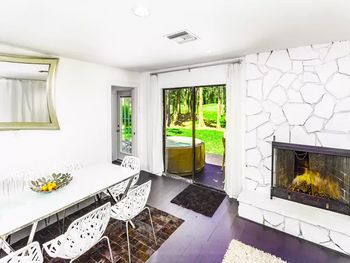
(299, 95)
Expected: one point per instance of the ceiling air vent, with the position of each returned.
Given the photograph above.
(182, 37)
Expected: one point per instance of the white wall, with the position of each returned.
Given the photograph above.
(211, 75)
(300, 95)
(83, 101)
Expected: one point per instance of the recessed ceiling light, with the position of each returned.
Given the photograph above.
(140, 11)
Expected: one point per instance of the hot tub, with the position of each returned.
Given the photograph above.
(178, 155)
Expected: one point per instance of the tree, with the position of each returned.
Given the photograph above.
(178, 101)
(218, 116)
(168, 102)
(201, 123)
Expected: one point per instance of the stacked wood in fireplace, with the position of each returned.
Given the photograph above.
(313, 184)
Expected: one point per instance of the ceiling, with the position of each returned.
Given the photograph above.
(107, 32)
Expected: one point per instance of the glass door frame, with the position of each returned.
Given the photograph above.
(193, 115)
(123, 94)
(193, 119)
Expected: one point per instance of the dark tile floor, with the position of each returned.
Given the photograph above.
(211, 176)
(202, 239)
(141, 238)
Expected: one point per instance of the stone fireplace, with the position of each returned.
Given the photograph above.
(300, 96)
(316, 176)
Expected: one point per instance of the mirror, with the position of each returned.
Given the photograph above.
(26, 93)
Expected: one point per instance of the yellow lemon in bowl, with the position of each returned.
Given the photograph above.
(51, 186)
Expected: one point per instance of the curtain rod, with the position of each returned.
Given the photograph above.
(22, 79)
(203, 65)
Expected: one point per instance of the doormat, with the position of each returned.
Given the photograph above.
(199, 199)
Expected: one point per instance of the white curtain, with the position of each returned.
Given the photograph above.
(155, 145)
(23, 101)
(234, 162)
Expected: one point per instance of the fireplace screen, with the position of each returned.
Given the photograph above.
(316, 176)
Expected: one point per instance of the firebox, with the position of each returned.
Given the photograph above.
(312, 175)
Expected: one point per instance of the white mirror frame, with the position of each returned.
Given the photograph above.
(53, 124)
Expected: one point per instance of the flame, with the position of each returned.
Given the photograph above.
(312, 183)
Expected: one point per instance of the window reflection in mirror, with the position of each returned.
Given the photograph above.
(26, 93)
(23, 92)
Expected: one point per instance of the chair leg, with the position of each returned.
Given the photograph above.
(43, 251)
(109, 247)
(127, 237)
(150, 217)
(132, 224)
(70, 261)
(58, 222)
(63, 221)
(97, 199)
(8, 239)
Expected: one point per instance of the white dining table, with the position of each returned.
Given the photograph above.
(27, 208)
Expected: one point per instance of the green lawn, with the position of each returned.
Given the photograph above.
(211, 138)
(210, 112)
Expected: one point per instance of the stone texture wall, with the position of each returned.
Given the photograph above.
(300, 95)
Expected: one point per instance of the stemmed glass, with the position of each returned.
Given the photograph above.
(16, 182)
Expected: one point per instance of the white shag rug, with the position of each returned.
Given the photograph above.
(238, 252)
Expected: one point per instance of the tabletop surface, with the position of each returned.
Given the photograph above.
(22, 209)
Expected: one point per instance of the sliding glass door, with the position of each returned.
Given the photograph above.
(178, 132)
(209, 132)
(194, 125)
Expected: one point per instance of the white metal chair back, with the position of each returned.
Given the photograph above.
(82, 234)
(28, 254)
(134, 202)
(132, 163)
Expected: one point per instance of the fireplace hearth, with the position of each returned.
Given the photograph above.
(311, 175)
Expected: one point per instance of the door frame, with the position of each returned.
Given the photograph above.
(193, 116)
(120, 95)
(118, 92)
(193, 90)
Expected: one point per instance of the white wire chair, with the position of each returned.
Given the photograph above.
(132, 163)
(28, 254)
(82, 234)
(132, 205)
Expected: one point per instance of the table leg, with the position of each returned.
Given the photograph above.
(63, 221)
(5, 246)
(121, 196)
(128, 186)
(32, 232)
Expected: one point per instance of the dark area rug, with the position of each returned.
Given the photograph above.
(199, 199)
(141, 238)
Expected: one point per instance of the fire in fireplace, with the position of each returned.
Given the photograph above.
(312, 175)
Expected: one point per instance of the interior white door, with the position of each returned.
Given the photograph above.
(124, 124)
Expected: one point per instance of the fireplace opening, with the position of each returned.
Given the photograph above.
(311, 175)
